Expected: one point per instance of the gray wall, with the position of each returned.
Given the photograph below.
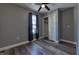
(13, 25)
(67, 18)
(77, 29)
(75, 22)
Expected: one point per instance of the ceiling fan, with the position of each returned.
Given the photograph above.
(43, 5)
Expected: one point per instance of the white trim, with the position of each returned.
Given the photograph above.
(56, 41)
(45, 16)
(68, 41)
(41, 37)
(14, 45)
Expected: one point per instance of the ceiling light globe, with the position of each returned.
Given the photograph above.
(42, 5)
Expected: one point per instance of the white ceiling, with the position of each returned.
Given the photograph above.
(34, 7)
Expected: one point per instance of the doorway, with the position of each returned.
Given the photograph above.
(46, 27)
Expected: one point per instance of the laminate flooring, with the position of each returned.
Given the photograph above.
(43, 47)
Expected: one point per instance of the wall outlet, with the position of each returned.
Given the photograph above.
(18, 38)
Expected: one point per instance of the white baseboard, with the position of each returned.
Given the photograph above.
(14, 45)
(68, 41)
(42, 37)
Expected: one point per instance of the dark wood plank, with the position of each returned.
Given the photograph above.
(42, 47)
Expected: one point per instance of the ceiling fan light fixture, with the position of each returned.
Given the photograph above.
(43, 6)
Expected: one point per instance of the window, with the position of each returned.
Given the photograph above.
(34, 24)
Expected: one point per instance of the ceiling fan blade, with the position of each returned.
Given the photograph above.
(47, 7)
(45, 3)
(41, 3)
(39, 9)
(38, 3)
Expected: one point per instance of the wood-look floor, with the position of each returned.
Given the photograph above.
(43, 47)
